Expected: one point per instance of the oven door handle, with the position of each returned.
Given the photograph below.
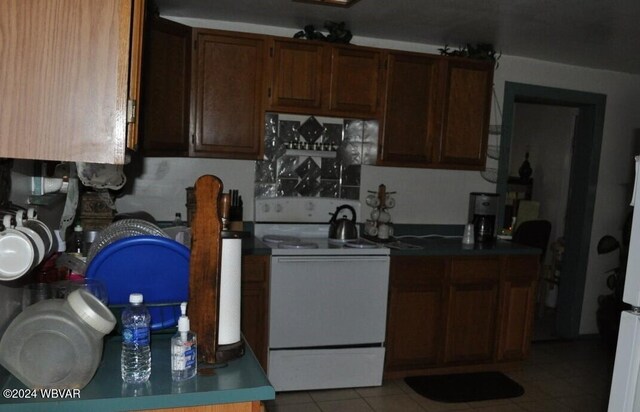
(331, 259)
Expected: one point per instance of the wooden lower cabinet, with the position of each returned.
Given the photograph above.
(518, 304)
(472, 310)
(456, 314)
(416, 309)
(254, 319)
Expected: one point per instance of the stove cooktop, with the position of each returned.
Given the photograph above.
(291, 245)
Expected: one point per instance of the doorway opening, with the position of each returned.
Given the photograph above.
(543, 139)
(581, 184)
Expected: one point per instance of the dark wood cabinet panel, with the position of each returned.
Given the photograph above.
(466, 111)
(229, 85)
(322, 79)
(472, 310)
(255, 305)
(436, 112)
(355, 81)
(517, 307)
(166, 88)
(452, 314)
(416, 310)
(297, 75)
(410, 124)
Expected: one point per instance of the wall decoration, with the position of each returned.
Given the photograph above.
(312, 156)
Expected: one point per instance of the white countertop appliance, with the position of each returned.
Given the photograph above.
(328, 299)
(625, 384)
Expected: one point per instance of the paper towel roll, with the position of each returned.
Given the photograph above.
(229, 316)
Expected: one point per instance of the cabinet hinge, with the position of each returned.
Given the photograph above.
(193, 139)
(270, 51)
(131, 111)
(269, 92)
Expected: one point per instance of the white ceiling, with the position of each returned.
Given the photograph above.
(594, 33)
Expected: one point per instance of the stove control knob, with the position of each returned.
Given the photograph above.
(265, 208)
(278, 208)
(309, 206)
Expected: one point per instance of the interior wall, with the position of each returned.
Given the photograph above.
(546, 133)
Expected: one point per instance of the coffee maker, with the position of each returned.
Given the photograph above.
(483, 208)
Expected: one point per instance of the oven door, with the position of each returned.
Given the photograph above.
(327, 301)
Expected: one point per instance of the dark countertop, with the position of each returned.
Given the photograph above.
(242, 380)
(254, 246)
(454, 247)
(435, 246)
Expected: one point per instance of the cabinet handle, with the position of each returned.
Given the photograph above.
(131, 111)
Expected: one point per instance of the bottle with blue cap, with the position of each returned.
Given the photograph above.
(184, 354)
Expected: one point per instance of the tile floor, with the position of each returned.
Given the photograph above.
(558, 376)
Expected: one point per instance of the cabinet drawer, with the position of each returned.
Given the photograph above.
(474, 269)
(416, 270)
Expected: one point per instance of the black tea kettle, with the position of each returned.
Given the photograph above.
(343, 228)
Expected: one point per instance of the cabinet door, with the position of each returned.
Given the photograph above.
(411, 122)
(355, 81)
(415, 320)
(472, 310)
(229, 88)
(297, 75)
(166, 90)
(135, 74)
(517, 307)
(467, 107)
(255, 305)
(65, 78)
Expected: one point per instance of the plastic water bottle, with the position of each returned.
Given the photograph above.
(136, 336)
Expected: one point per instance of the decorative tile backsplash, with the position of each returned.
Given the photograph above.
(314, 156)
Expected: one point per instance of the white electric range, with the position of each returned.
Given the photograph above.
(328, 300)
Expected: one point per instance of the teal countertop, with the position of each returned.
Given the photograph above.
(242, 380)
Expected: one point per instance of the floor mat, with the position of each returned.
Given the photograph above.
(465, 387)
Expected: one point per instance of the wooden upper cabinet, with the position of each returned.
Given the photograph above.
(166, 88)
(466, 111)
(321, 79)
(68, 70)
(229, 89)
(436, 112)
(297, 75)
(410, 120)
(355, 81)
